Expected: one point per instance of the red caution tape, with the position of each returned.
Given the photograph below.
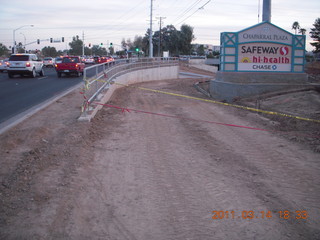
(173, 116)
(198, 120)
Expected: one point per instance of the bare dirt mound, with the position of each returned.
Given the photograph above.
(141, 175)
(299, 103)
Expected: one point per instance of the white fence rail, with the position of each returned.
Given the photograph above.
(100, 76)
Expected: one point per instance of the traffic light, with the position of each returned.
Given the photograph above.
(38, 41)
(89, 44)
(111, 44)
(101, 44)
(62, 39)
(137, 49)
(51, 40)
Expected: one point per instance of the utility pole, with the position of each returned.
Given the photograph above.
(159, 42)
(82, 43)
(266, 14)
(259, 11)
(150, 33)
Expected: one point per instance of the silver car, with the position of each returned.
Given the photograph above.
(48, 62)
(25, 64)
(3, 65)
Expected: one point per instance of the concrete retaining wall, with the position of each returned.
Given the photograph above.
(201, 64)
(231, 91)
(262, 77)
(138, 76)
(144, 75)
(229, 86)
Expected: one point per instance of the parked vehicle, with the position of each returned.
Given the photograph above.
(106, 59)
(3, 65)
(70, 65)
(97, 59)
(25, 64)
(48, 62)
(89, 60)
(57, 60)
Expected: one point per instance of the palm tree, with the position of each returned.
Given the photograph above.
(302, 31)
(295, 26)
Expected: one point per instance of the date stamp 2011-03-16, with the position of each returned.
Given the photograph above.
(282, 214)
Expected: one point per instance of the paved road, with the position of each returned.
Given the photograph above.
(21, 93)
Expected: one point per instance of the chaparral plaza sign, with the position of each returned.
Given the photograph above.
(264, 48)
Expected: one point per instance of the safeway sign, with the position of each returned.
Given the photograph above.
(264, 57)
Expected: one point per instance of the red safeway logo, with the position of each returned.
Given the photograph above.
(284, 51)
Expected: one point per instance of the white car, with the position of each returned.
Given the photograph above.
(3, 65)
(89, 60)
(25, 64)
(48, 62)
(58, 60)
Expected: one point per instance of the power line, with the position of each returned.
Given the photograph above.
(187, 10)
(116, 27)
(200, 8)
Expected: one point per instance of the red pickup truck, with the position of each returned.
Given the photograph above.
(70, 65)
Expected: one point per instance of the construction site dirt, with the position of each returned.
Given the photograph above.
(157, 166)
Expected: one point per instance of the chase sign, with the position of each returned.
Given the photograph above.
(262, 48)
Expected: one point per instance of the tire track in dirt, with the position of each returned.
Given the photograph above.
(138, 176)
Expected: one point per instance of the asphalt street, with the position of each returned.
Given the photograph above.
(22, 93)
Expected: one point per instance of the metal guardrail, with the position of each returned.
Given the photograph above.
(100, 76)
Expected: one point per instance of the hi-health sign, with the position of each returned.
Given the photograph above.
(264, 57)
(263, 48)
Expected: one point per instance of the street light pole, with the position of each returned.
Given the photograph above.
(14, 36)
(24, 41)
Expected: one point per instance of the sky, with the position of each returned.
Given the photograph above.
(106, 21)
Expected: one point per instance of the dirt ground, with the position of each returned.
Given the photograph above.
(163, 171)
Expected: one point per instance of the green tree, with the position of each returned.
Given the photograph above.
(4, 51)
(20, 48)
(315, 35)
(87, 51)
(171, 38)
(123, 44)
(98, 51)
(186, 37)
(111, 50)
(145, 43)
(138, 42)
(49, 52)
(127, 44)
(302, 31)
(295, 26)
(200, 50)
(75, 46)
